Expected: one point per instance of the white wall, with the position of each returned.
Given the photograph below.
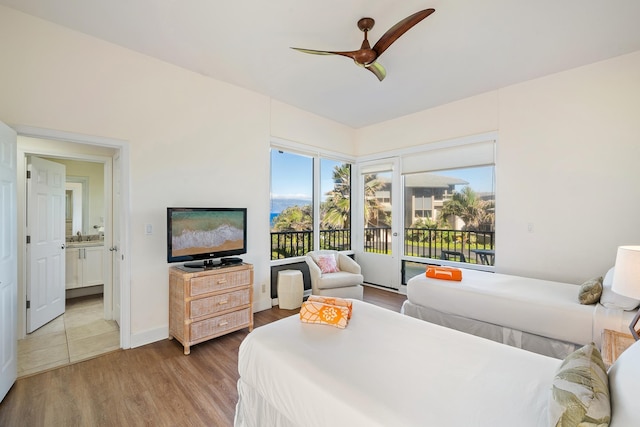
(466, 117)
(567, 162)
(567, 149)
(299, 126)
(193, 141)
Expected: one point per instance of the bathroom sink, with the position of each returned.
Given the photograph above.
(84, 244)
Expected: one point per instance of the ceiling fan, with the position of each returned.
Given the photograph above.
(367, 56)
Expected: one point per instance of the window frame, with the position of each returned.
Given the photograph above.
(482, 150)
(317, 155)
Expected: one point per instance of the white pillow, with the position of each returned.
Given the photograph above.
(624, 388)
(611, 299)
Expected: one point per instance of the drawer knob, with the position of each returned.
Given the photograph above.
(225, 323)
(222, 281)
(223, 302)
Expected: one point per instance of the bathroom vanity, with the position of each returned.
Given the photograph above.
(84, 264)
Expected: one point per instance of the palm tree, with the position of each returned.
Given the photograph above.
(373, 212)
(469, 207)
(335, 213)
(473, 211)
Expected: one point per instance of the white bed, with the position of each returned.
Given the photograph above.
(387, 369)
(537, 315)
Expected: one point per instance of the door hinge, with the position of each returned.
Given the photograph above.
(28, 174)
(28, 304)
(28, 239)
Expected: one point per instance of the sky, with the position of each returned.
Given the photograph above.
(480, 178)
(292, 176)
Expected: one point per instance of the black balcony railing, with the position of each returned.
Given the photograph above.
(464, 246)
(377, 239)
(458, 245)
(287, 244)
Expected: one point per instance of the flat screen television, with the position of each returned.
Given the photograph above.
(195, 234)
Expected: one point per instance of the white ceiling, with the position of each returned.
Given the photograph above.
(465, 48)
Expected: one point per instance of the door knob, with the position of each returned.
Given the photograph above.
(113, 249)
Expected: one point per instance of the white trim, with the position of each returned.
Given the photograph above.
(262, 304)
(316, 199)
(116, 144)
(437, 145)
(36, 132)
(309, 150)
(150, 336)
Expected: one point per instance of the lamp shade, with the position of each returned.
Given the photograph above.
(626, 276)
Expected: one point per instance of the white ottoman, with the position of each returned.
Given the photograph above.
(290, 289)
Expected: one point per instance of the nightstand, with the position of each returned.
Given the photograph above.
(613, 344)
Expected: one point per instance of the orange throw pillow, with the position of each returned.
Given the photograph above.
(444, 273)
(324, 314)
(341, 302)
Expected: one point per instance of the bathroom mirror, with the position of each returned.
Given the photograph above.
(77, 205)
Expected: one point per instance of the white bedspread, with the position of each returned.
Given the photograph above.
(541, 307)
(386, 369)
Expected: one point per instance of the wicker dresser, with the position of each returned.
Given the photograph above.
(205, 304)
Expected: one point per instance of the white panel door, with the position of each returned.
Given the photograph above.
(8, 261)
(117, 221)
(45, 252)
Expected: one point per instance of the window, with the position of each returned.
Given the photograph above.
(449, 214)
(377, 212)
(335, 205)
(297, 210)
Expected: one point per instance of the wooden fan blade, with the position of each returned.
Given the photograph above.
(377, 69)
(399, 29)
(350, 54)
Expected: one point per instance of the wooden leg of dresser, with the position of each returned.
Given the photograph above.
(187, 350)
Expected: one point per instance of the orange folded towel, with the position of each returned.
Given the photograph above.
(325, 314)
(341, 302)
(445, 273)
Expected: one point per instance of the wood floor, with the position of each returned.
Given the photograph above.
(153, 385)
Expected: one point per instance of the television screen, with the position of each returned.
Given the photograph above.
(205, 233)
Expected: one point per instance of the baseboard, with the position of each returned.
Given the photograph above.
(262, 304)
(147, 337)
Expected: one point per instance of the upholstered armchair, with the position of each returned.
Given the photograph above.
(334, 274)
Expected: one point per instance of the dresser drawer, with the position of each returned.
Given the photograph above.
(217, 303)
(218, 282)
(220, 324)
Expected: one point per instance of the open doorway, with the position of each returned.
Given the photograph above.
(87, 328)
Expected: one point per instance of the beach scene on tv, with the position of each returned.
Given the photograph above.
(195, 232)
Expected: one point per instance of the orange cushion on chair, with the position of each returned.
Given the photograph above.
(445, 273)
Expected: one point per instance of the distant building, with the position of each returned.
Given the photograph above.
(424, 195)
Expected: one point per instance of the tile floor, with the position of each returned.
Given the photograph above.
(79, 334)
